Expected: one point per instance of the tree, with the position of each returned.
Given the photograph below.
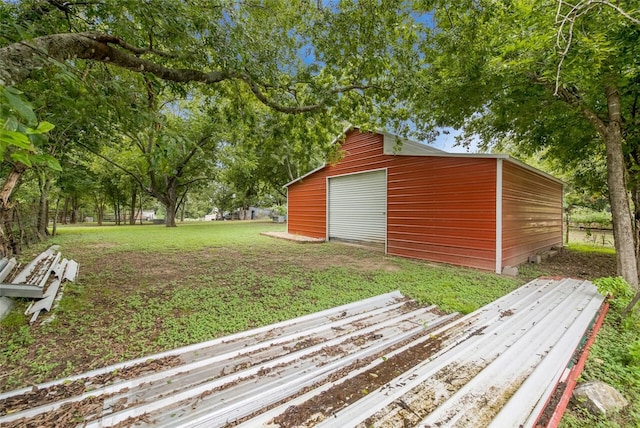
(165, 152)
(349, 60)
(496, 70)
(23, 142)
(268, 149)
(348, 50)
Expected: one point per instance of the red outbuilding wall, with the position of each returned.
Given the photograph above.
(531, 213)
(441, 208)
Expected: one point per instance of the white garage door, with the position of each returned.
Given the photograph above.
(358, 207)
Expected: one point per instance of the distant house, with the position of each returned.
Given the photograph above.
(480, 210)
(146, 215)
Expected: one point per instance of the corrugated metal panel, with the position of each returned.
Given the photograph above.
(306, 208)
(443, 209)
(383, 361)
(525, 338)
(358, 207)
(531, 213)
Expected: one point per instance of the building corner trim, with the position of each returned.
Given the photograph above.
(498, 216)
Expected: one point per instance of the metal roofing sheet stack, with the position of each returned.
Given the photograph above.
(383, 361)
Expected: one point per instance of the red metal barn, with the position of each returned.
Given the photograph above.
(480, 210)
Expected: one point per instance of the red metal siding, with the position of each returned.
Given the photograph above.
(531, 213)
(307, 207)
(442, 209)
(438, 208)
(307, 200)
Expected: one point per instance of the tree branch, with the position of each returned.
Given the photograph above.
(192, 152)
(563, 42)
(574, 100)
(19, 60)
(105, 38)
(120, 167)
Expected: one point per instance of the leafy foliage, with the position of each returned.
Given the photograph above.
(19, 141)
(512, 74)
(616, 288)
(587, 216)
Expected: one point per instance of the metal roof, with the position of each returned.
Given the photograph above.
(383, 361)
(413, 148)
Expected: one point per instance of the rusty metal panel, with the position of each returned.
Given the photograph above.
(531, 213)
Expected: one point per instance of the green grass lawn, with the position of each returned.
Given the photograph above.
(145, 289)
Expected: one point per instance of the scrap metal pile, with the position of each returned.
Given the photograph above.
(41, 280)
(385, 361)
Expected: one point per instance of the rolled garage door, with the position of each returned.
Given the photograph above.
(358, 207)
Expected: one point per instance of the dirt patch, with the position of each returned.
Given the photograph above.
(572, 264)
(294, 238)
(506, 313)
(366, 264)
(102, 245)
(552, 404)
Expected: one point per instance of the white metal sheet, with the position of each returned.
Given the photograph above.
(506, 355)
(357, 208)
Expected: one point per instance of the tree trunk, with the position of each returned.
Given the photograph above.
(65, 211)
(75, 207)
(134, 198)
(15, 243)
(618, 196)
(100, 210)
(141, 207)
(54, 229)
(6, 210)
(171, 213)
(43, 206)
(635, 198)
(169, 199)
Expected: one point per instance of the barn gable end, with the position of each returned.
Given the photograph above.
(482, 211)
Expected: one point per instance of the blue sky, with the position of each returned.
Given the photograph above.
(446, 142)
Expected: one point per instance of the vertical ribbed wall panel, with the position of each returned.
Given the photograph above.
(307, 206)
(531, 214)
(358, 207)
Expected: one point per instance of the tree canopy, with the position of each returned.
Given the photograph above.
(545, 75)
(108, 69)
